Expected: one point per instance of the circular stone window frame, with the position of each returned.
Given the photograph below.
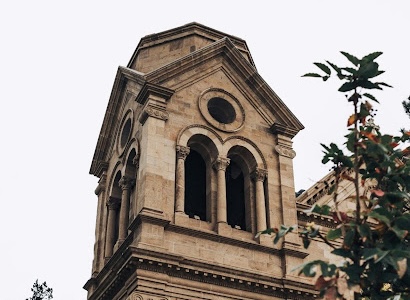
(212, 93)
(121, 146)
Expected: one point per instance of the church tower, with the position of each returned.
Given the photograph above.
(194, 158)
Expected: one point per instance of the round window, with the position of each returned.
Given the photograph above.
(125, 134)
(221, 110)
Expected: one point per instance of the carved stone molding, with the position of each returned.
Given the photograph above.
(182, 152)
(135, 296)
(259, 174)
(157, 113)
(101, 184)
(285, 151)
(221, 163)
(154, 111)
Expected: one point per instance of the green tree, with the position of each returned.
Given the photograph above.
(375, 238)
(41, 291)
(406, 106)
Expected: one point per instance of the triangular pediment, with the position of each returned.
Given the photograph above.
(223, 54)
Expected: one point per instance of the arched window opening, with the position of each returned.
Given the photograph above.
(131, 173)
(195, 186)
(235, 196)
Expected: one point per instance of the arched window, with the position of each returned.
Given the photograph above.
(195, 185)
(235, 196)
(113, 206)
(240, 190)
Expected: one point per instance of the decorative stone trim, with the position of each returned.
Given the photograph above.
(221, 163)
(259, 174)
(182, 152)
(155, 112)
(285, 151)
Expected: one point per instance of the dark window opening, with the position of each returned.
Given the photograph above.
(125, 133)
(235, 196)
(195, 186)
(221, 110)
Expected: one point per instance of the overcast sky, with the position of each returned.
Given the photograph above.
(57, 66)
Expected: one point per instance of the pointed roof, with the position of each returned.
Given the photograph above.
(285, 121)
(241, 67)
(189, 29)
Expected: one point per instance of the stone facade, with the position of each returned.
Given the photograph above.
(191, 107)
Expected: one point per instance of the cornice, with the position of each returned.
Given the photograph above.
(135, 258)
(99, 163)
(153, 90)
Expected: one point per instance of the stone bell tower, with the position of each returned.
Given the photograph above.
(194, 158)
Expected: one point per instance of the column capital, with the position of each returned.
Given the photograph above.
(259, 174)
(182, 152)
(126, 183)
(113, 203)
(221, 163)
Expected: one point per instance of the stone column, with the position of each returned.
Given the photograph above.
(182, 153)
(126, 184)
(113, 205)
(220, 165)
(259, 177)
(99, 225)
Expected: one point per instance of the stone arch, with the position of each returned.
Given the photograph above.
(113, 206)
(198, 129)
(112, 191)
(198, 176)
(239, 188)
(255, 152)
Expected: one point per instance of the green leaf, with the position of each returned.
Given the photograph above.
(334, 234)
(365, 231)
(401, 233)
(348, 238)
(403, 222)
(368, 84)
(381, 255)
(384, 84)
(348, 86)
(370, 97)
(336, 68)
(368, 70)
(321, 210)
(369, 253)
(350, 70)
(353, 59)
(327, 270)
(382, 215)
(311, 75)
(323, 67)
(342, 252)
(371, 56)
